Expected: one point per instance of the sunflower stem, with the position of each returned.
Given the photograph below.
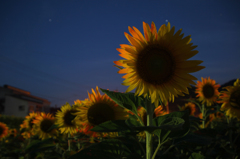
(203, 115)
(78, 145)
(149, 141)
(230, 132)
(158, 147)
(69, 142)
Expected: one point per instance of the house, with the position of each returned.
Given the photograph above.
(18, 102)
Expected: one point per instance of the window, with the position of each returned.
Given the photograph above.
(21, 108)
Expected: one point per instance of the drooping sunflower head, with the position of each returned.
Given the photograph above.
(207, 91)
(158, 64)
(3, 130)
(191, 107)
(98, 109)
(65, 119)
(42, 124)
(231, 100)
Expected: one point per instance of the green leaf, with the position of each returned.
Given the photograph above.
(108, 148)
(210, 112)
(37, 144)
(132, 142)
(195, 155)
(194, 139)
(126, 100)
(135, 156)
(173, 123)
(111, 126)
(193, 118)
(132, 121)
(178, 127)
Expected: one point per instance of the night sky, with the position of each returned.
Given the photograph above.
(60, 49)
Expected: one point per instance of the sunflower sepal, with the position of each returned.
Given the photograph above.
(118, 67)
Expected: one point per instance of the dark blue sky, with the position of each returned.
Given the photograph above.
(60, 49)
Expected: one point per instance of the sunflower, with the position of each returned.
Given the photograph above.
(42, 124)
(26, 134)
(3, 130)
(27, 125)
(231, 100)
(158, 64)
(29, 119)
(98, 109)
(12, 133)
(64, 119)
(207, 91)
(189, 106)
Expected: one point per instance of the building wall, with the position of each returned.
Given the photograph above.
(16, 107)
(17, 102)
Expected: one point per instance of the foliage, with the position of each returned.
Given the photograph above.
(178, 134)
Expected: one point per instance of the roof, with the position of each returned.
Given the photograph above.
(25, 95)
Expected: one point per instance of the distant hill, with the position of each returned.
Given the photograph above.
(229, 83)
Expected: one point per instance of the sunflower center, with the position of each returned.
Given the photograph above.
(45, 125)
(235, 99)
(68, 117)
(208, 91)
(100, 113)
(155, 65)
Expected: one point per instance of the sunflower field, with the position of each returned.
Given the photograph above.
(139, 125)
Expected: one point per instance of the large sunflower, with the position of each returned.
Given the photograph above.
(207, 91)
(98, 109)
(158, 63)
(3, 130)
(42, 124)
(64, 119)
(231, 100)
